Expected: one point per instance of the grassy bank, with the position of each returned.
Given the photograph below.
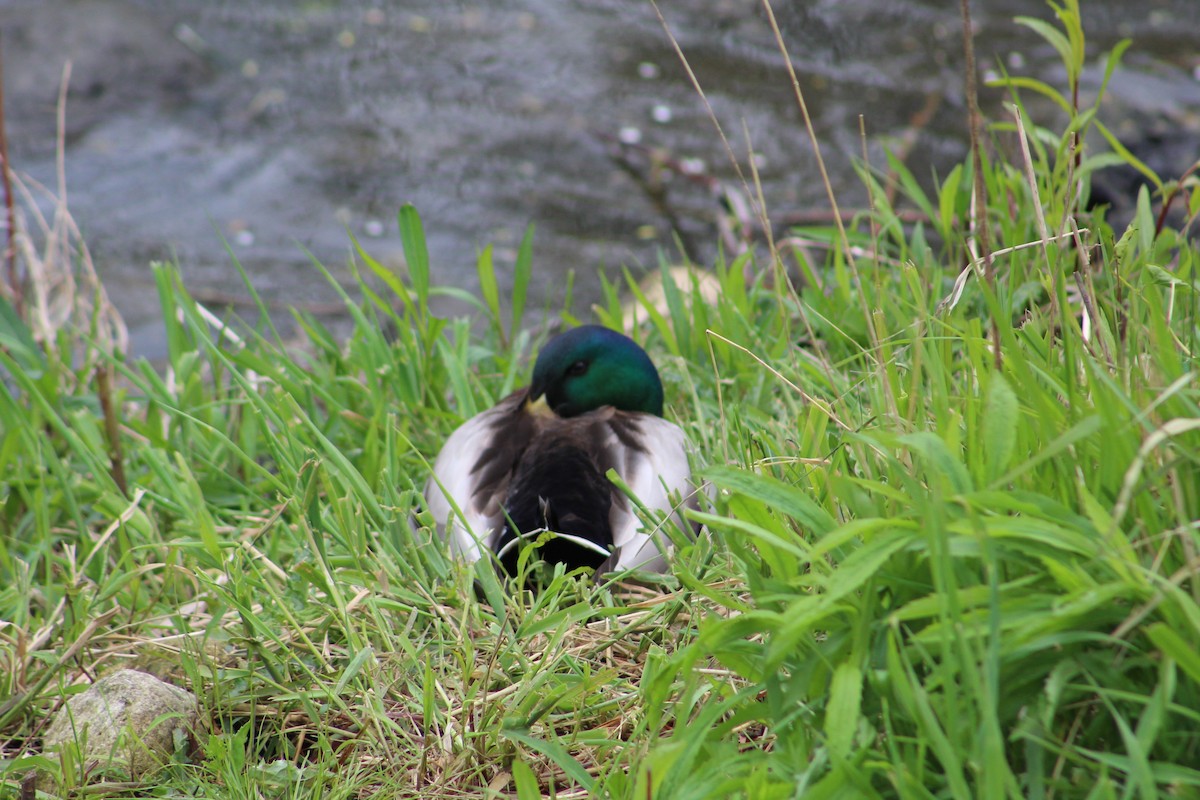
(952, 551)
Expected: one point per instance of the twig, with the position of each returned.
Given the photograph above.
(712, 115)
(951, 300)
(17, 704)
(1087, 290)
(812, 137)
(1175, 191)
(1039, 216)
(808, 398)
(760, 210)
(980, 193)
(655, 189)
(111, 427)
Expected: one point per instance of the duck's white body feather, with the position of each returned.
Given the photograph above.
(450, 491)
(473, 473)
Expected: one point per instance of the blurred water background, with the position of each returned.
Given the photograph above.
(279, 126)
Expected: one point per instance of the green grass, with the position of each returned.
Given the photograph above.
(923, 576)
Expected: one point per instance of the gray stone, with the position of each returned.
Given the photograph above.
(128, 719)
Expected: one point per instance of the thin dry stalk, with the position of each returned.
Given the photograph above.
(979, 199)
(112, 427)
(808, 398)
(888, 392)
(866, 157)
(10, 251)
(1176, 190)
(759, 203)
(825, 181)
(759, 210)
(812, 134)
(781, 275)
(64, 288)
(868, 313)
(1087, 290)
(1074, 186)
(951, 300)
(1039, 214)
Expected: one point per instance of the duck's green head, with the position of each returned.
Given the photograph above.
(592, 366)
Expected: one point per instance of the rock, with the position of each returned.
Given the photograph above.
(122, 58)
(691, 282)
(130, 720)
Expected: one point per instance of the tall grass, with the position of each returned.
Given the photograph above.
(923, 576)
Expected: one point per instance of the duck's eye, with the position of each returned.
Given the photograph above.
(577, 369)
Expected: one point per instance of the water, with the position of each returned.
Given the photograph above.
(277, 128)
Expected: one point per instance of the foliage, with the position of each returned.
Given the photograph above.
(924, 575)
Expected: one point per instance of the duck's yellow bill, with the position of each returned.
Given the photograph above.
(538, 407)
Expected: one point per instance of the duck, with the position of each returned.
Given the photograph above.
(537, 462)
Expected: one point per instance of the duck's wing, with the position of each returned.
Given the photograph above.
(651, 456)
(472, 472)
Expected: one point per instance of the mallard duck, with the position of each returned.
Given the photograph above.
(537, 461)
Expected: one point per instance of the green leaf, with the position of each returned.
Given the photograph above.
(861, 565)
(525, 780)
(388, 276)
(416, 253)
(488, 287)
(1000, 415)
(1121, 250)
(842, 712)
(1077, 432)
(428, 700)
(785, 499)
(912, 187)
(939, 459)
(1052, 35)
(1137, 760)
(1127, 156)
(1164, 278)
(1175, 646)
(948, 201)
(353, 668)
(558, 754)
(1041, 87)
(771, 537)
(17, 339)
(1110, 66)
